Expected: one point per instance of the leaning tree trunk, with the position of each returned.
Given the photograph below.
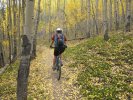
(105, 23)
(36, 30)
(24, 67)
(128, 17)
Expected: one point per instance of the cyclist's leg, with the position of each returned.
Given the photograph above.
(54, 60)
(55, 55)
(61, 51)
(61, 59)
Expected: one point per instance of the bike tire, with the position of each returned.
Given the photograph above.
(59, 72)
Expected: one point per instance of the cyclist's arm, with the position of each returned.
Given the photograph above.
(65, 40)
(52, 43)
(52, 40)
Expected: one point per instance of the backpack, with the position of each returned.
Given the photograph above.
(59, 40)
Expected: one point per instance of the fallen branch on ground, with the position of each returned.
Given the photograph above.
(78, 38)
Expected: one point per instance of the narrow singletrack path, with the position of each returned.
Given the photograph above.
(43, 84)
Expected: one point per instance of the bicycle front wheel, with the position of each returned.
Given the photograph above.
(59, 72)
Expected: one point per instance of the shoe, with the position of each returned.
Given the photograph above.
(61, 63)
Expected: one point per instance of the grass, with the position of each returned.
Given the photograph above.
(8, 82)
(107, 67)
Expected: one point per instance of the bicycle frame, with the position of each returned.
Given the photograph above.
(58, 67)
(57, 60)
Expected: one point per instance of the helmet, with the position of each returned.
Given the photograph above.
(59, 30)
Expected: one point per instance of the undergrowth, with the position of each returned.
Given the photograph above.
(107, 67)
(8, 82)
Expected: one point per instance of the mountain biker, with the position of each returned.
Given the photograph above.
(59, 40)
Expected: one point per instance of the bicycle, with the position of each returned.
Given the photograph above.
(58, 65)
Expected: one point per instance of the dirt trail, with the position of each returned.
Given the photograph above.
(43, 84)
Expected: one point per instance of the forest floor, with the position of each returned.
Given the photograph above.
(43, 83)
(93, 69)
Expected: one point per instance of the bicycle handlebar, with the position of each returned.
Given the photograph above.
(55, 47)
(52, 47)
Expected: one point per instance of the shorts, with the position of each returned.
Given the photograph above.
(58, 51)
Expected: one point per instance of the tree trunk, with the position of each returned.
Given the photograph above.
(14, 30)
(110, 15)
(94, 18)
(23, 15)
(105, 23)
(128, 17)
(19, 29)
(2, 37)
(123, 14)
(9, 30)
(36, 30)
(116, 15)
(50, 20)
(88, 19)
(64, 17)
(81, 1)
(24, 67)
(58, 10)
(2, 63)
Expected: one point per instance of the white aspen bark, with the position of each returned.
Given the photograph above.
(23, 15)
(81, 1)
(29, 19)
(23, 72)
(49, 20)
(14, 30)
(36, 30)
(58, 10)
(110, 15)
(2, 63)
(116, 15)
(123, 12)
(88, 18)
(19, 29)
(128, 17)
(105, 23)
(96, 15)
(9, 29)
(94, 19)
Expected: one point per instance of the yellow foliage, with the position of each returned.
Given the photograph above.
(5, 43)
